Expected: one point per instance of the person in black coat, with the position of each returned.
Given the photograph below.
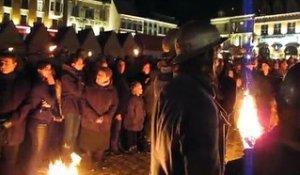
(14, 89)
(41, 110)
(121, 84)
(72, 87)
(134, 118)
(99, 104)
(278, 151)
(186, 120)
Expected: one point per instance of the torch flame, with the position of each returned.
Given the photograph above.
(60, 168)
(248, 124)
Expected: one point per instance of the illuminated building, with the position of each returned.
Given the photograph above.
(100, 15)
(273, 32)
(25, 13)
(125, 18)
(238, 30)
(84, 14)
(277, 35)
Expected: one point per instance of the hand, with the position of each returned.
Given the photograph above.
(119, 117)
(58, 119)
(45, 104)
(7, 124)
(100, 120)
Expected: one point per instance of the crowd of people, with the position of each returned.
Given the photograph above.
(174, 108)
(52, 108)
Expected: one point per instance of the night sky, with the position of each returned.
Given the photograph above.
(185, 10)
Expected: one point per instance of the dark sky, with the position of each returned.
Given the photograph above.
(185, 10)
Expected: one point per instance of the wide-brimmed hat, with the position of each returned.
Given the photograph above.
(194, 39)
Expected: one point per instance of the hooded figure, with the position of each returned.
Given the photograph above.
(185, 122)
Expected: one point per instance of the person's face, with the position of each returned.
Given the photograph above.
(102, 79)
(255, 63)
(138, 89)
(79, 64)
(265, 67)
(7, 65)
(146, 68)
(231, 74)
(46, 71)
(239, 67)
(104, 64)
(284, 65)
(121, 67)
(216, 62)
(239, 82)
(276, 65)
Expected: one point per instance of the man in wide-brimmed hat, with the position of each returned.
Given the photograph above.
(185, 123)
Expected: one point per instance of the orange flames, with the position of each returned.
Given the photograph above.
(248, 124)
(61, 168)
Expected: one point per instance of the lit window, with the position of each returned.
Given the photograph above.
(7, 3)
(291, 27)
(24, 4)
(40, 5)
(89, 13)
(75, 11)
(277, 29)
(57, 7)
(39, 20)
(264, 29)
(6, 17)
(52, 6)
(23, 20)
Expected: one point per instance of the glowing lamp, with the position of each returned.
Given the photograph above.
(10, 49)
(136, 52)
(52, 48)
(90, 53)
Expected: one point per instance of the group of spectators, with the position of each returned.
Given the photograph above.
(177, 107)
(50, 108)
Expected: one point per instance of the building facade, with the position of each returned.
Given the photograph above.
(274, 36)
(125, 18)
(238, 30)
(277, 36)
(84, 14)
(144, 25)
(25, 13)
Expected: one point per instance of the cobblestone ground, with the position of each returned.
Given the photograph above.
(234, 145)
(124, 164)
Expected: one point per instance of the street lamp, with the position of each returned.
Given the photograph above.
(10, 49)
(136, 52)
(90, 53)
(52, 48)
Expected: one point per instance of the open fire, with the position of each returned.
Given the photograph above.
(61, 168)
(248, 124)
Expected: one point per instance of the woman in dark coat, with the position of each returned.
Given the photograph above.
(42, 110)
(99, 104)
(122, 86)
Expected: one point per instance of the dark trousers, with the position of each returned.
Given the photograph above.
(8, 157)
(39, 140)
(71, 130)
(130, 139)
(115, 135)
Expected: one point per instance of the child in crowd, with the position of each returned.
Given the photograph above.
(134, 118)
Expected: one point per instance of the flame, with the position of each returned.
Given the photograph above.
(248, 124)
(60, 168)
